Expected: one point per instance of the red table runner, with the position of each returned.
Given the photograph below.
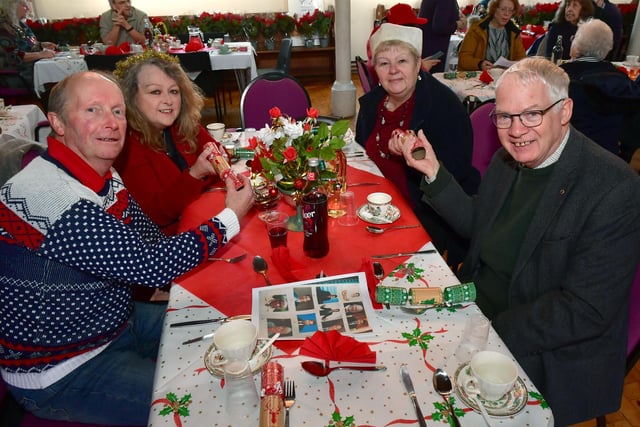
(228, 286)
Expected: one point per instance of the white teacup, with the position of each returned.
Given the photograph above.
(492, 375)
(378, 204)
(234, 340)
(632, 60)
(216, 130)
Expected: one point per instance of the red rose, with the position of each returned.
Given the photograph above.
(312, 113)
(290, 154)
(307, 127)
(275, 113)
(253, 142)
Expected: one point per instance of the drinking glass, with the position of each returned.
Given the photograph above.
(277, 229)
(474, 337)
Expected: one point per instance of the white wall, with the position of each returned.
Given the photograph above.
(362, 11)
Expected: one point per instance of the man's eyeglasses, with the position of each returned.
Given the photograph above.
(530, 118)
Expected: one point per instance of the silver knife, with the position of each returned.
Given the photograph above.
(428, 251)
(197, 322)
(406, 379)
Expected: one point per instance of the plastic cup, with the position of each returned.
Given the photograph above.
(277, 229)
(348, 201)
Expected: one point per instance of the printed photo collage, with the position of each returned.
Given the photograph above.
(298, 310)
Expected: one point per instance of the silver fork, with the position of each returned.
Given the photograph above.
(289, 399)
(229, 260)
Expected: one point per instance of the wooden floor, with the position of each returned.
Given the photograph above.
(320, 93)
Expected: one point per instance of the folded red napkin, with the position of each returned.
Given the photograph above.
(285, 263)
(125, 47)
(372, 282)
(334, 346)
(113, 50)
(485, 77)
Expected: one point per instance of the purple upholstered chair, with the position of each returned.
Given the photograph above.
(633, 337)
(270, 90)
(363, 73)
(485, 137)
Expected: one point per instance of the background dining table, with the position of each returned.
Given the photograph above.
(21, 121)
(187, 393)
(243, 63)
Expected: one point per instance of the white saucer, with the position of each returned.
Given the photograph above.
(510, 404)
(218, 371)
(392, 215)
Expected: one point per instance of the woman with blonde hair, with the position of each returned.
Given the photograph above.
(494, 36)
(164, 162)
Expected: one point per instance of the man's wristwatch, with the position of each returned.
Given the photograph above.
(128, 30)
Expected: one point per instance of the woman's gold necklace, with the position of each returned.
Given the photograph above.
(383, 121)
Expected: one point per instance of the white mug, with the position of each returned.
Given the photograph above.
(216, 130)
(234, 340)
(492, 375)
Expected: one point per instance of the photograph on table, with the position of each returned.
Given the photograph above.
(276, 303)
(299, 309)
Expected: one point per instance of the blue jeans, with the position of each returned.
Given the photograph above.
(115, 387)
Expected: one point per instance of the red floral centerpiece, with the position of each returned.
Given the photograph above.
(283, 149)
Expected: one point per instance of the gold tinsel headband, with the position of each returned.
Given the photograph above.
(123, 67)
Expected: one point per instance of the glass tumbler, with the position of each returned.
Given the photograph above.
(240, 393)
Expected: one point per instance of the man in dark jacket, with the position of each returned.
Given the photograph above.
(555, 242)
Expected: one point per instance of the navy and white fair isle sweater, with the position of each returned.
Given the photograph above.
(71, 242)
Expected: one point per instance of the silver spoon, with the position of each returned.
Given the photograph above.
(379, 230)
(321, 370)
(260, 267)
(419, 310)
(442, 384)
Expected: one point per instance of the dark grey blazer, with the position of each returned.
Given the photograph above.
(568, 300)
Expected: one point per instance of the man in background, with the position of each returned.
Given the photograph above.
(122, 23)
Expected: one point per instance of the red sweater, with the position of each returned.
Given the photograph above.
(156, 182)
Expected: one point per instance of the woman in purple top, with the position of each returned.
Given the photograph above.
(443, 19)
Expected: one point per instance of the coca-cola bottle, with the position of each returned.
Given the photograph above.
(315, 217)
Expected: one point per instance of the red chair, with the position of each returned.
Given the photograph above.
(485, 137)
(269, 90)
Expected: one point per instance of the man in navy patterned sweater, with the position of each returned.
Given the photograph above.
(73, 345)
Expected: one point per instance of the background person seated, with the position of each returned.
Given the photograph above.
(565, 24)
(494, 36)
(602, 95)
(19, 47)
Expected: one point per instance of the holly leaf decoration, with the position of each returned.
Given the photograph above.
(540, 398)
(417, 337)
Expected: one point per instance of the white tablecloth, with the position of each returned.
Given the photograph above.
(373, 398)
(243, 63)
(21, 120)
(469, 88)
(53, 70)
